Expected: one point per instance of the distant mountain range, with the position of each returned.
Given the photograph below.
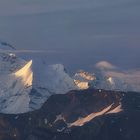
(21, 92)
(102, 105)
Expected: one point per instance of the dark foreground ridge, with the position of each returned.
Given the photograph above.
(78, 115)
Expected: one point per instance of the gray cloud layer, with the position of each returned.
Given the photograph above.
(89, 30)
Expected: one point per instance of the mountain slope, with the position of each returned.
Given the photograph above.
(54, 80)
(109, 77)
(61, 117)
(20, 91)
(15, 89)
(15, 81)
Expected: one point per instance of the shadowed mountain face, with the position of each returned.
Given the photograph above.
(78, 115)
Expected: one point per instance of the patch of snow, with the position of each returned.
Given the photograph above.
(81, 85)
(58, 118)
(45, 121)
(82, 79)
(88, 118)
(61, 130)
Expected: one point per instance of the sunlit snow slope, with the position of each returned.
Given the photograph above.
(109, 77)
(21, 91)
(18, 92)
(15, 82)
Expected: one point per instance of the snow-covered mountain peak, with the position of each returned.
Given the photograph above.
(21, 92)
(56, 79)
(15, 88)
(85, 75)
(110, 77)
(82, 79)
(53, 80)
(15, 81)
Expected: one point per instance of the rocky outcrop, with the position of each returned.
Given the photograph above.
(56, 118)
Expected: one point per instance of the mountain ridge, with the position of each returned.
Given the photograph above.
(45, 124)
(55, 80)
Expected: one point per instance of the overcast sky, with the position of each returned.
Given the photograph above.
(85, 31)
